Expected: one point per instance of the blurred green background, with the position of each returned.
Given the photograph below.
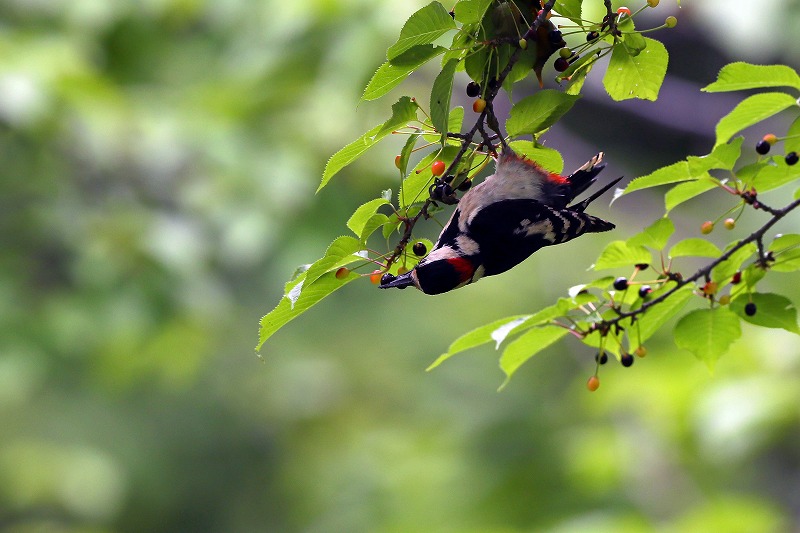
(158, 161)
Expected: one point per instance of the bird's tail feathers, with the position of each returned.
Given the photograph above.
(581, 179)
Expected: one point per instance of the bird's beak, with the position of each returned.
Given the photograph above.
(400, 282)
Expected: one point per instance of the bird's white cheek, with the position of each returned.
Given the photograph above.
(467, 246)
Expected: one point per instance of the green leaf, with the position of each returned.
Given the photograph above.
(694, 247)
(403, 111)
(655, 317)
(751, 110)
(636, 76)
(440, 99)
(787, 261)
(621, 254)
(673, 173)
(740, 76)
(577, 72)
(792, 140)
(723, 156)
(456, 119)
(288, 309)
(526, 346)
(478, 336)
(768, 174)
(684, 192)
(360, 220)
(547, 158)
(654, 236)
(728, 268)
(423, 27)
(341, 251)
(708, 333)
(632, 40)
(538, 112)
(392, 73)
(570, 9)
(405, 153)
(772, 311)
(784, 242)
(471, 11)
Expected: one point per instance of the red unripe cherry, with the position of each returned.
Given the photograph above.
(479, 105)
(342, 273)
(375, 277)
(438, 167)
(593, 383)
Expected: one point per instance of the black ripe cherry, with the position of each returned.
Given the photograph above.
(555, 36)
(642, 266)
(762, 147)
(750, 309)
(792, 158)
(561, 64)
(621, 284)
(592, 36)
(601, 358)
(626, 359)
(465, 185)
(644, 290)
(492, 84)
(473, 89)
(419, 249)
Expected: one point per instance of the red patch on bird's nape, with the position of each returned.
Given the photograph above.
(463, 267)
(551, 176)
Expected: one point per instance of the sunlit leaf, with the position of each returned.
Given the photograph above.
(476, 337)
(739, 76)
(654, 236)
(440, 99)
(526, 346)
(656, 316)
(708, 333)
(792, 140)
(621, 254)
(538, 112)
(471, 11)
(570, 9)
(673, 173)
(423, 27)
(723, 156)
(683, 192)
(547, 158)
(392, 73)
(309, 296)
(728, 268)
(403, 111)
(694, 247)
(751, 110)
(772, 311)
(636, 76)
(360, 219)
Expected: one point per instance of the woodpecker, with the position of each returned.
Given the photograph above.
(503, 220)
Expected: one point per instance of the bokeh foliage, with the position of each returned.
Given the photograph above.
(158, 162)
